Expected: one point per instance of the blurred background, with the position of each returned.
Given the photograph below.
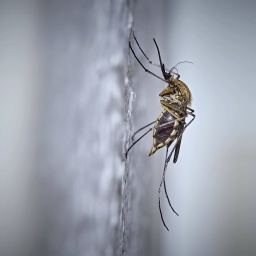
(71, 95)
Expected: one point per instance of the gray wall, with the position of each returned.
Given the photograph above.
(71, 94)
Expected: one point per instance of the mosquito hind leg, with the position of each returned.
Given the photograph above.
(169, 202)
(142, 128)
(159, 190)
(165, 190)
(126, 153)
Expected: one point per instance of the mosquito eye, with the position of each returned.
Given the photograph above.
(167, 76)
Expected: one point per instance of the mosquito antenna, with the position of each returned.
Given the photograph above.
(175, 69)
(186, 61)
(177, 74)
(181, 63)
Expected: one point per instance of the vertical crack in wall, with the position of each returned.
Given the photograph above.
(126, 188)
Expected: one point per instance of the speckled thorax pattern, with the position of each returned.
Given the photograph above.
(176, 97)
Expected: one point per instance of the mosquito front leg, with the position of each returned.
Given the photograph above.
(146, 70)
(149, 61)
(166, 75)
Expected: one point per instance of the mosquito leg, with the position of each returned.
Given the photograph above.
(159, 205)
(150, 62)
(165, 190)
(142, 129)
(159, 126)
(167, 159)
(191, 110)
(193, 117)
(143, 51)
(157, 65)
(181, 118)
(159, 191)
(178, 76)
(180, 136)
(166, 75)
(191, 114)
(146, 70)
(177, 119)
(137, 141)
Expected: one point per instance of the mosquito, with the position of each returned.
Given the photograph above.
(170, 124)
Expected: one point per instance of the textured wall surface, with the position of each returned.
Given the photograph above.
(83, 129)
(71, 94)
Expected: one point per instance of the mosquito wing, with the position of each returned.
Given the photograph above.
(177, 151)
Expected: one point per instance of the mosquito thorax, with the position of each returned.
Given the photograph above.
(180, 88)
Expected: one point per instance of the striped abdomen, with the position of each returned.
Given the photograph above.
(165, 131)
